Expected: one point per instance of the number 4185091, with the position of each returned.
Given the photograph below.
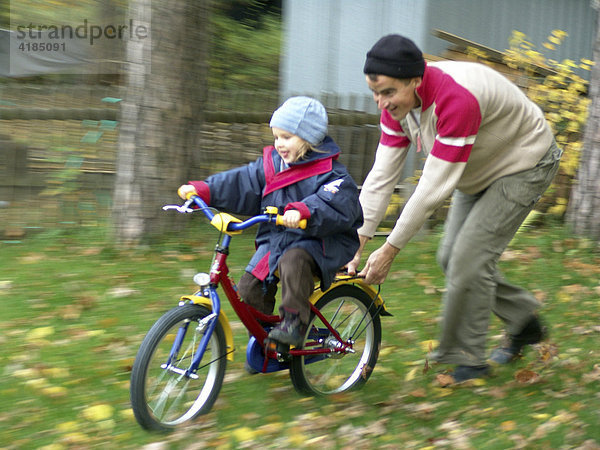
(42, 46)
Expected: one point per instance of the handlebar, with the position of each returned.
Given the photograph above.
(232, 224)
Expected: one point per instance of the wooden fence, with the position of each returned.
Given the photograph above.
(45, 146)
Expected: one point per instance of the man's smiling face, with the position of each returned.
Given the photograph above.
(394, 95)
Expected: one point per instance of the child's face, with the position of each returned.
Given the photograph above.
(289, 146)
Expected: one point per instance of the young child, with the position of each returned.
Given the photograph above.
(301, 176)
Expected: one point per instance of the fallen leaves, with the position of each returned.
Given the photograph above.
(508, 425)
(550, 423)
(527, 376)
(366, 371)
(497, 392)
(121, 292)
(244, 434)
(547, 351)
(583, 268)
(444, 380)
(412, 373)
(429, 345)
(584, 330)
(96, 413)
(32, 258)
(37, 336)
(55, 391)
(418, 393)
(423, 410)
(77, 362)
(593, 376)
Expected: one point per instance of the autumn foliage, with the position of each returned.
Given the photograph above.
(562, 95)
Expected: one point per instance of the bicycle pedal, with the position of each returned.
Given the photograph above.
(278, 350)
(270, 345)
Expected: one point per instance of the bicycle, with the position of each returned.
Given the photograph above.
(180, 365)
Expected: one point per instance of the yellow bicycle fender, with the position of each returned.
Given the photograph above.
(223, 320)
(359, 282)
(222, 220)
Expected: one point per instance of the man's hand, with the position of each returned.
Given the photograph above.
(355, 262)
(291, 218)
(379, 263)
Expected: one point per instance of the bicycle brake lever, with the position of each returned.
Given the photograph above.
(179, 208)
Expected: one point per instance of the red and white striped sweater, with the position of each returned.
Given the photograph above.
(473, 124)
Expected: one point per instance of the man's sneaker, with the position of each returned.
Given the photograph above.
(289, 331)
(533, 333)
(465, 373)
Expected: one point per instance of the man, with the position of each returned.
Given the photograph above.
(489, 147)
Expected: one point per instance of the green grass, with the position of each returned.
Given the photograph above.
(74, 311)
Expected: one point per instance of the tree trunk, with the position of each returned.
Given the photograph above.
(583, 213)
(161, 113)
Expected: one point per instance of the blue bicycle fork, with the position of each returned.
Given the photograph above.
(210, 327)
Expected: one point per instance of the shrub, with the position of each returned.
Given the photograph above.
(562, 95)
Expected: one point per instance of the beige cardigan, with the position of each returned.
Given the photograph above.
(474, 125)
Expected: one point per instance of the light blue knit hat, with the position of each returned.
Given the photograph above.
(303, 116)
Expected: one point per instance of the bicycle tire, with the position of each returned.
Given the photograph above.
(162, 399)
(350, 311)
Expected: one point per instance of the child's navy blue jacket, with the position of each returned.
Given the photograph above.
(319, 187)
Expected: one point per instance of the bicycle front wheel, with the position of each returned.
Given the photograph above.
(352, 313)
(163, 394)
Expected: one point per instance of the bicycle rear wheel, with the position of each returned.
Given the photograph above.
(352, 313)
(163, 397)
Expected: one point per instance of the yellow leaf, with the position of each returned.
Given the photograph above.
(243, 434)
(56, 372)
(37, 383)
(270, 428)
(429, 345)
(508, 425)
(540, 416)
(106, 424)
(442, 392)
(52, 447)
(297, 439)
(563, 417)
(97, 413)
(92, 333)
(25, 373)
(419, 363)
(557, 210)
(76, 438)
(39, 333)
(554, 40)
(412, 373)
(67, 427)
(55, 391)
(386, 351)
(126, 413)
(560, 33)
(563, 297)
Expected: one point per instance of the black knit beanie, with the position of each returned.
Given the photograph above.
(395, 56)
